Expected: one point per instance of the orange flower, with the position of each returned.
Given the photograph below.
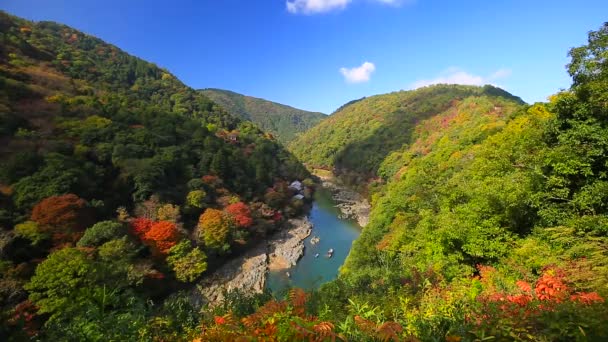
(219, 320)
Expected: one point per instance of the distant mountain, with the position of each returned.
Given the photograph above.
(283, 121)
(362, 133)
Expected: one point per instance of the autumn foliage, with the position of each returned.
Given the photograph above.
(240, 213)
(140, 226)
(162, 236)
(60, 212)
(550, 293)
(61, 216)
(213, 228)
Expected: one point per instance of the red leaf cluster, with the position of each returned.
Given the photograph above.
(162, 236)
(140, 226)
(60, 213)
(241, 214)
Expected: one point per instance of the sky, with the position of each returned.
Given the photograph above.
(319, 54)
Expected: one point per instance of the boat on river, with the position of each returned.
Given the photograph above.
(330, 253)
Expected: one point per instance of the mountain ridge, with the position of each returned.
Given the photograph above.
(284, 121)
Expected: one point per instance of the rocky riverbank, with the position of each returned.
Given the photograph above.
(287, 246)
(248, 272)
(351, 204)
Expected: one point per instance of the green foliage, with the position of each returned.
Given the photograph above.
(358, 137)
(196, 198)
(283, 121)
(188, 263)
(31, 231)
(100, 233)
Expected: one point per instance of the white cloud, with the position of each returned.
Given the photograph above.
(358, 74)
(315, 6)
(321, 6)
(454, 75)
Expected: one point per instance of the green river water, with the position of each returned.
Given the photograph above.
(336, 233)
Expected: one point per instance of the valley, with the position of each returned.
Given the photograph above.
(136, 208)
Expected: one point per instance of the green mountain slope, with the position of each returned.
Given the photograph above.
(87, 130)
(358, 137)
(489, 220)
(283, 121)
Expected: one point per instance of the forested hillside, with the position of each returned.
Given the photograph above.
(283, 121)
(489, 222)
(118, 185)
(355, 139)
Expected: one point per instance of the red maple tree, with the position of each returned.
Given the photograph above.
(241, 214)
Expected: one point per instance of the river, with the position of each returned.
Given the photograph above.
(336, 233)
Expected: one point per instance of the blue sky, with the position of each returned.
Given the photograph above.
(319, 54)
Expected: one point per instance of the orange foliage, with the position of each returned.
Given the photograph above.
(162, 236)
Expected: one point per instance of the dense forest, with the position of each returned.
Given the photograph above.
(120, 187)
(280, 120)
(355, 139)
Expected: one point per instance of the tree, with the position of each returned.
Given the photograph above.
(61, 215)
(240, 213)
(31, 231)
(213, 228)
(196, 198)
(168, 212)
(188, 263)
(140, 226)
(100, 233)
(61, 283)
(162, 236)
(589, 71)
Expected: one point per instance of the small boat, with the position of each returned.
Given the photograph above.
(330, 252)
(317, 255)
(288, 275)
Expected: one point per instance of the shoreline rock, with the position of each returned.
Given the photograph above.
(350, 203)
(287, 246)
(248, 272)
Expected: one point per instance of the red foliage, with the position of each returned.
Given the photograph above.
(587, 298)
(551, 287)
(162, 236)
(219, 320)
(65, 212)
(211, 180)
(25, 313)
(241, 214)
(140, 226)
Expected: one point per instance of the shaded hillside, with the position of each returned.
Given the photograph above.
(357, 138)
(118, 183)
(283, 121)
